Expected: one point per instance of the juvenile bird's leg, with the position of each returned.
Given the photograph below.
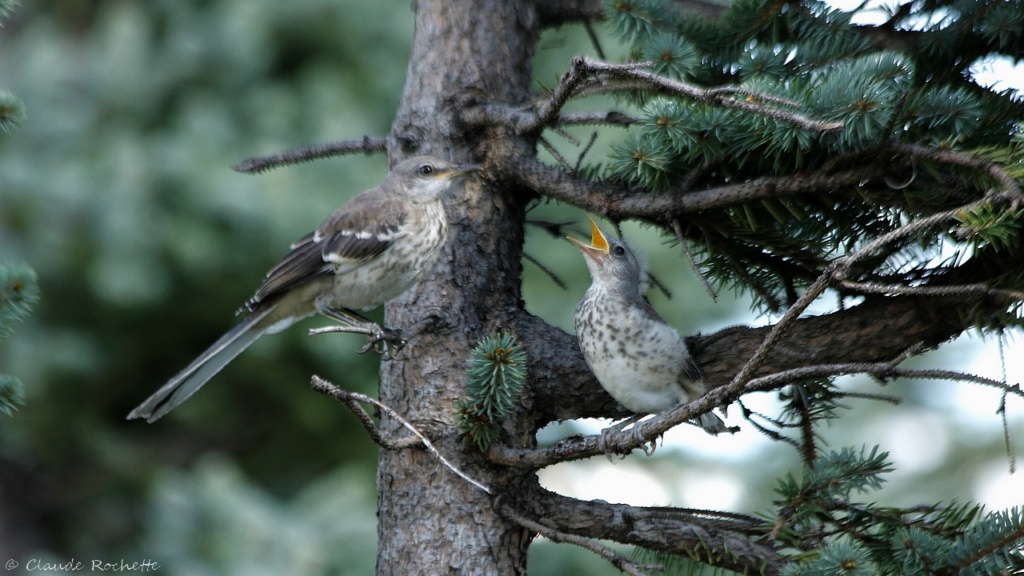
(387, 342)
(602, 439)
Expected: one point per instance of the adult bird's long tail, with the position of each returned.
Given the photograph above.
(206, 366)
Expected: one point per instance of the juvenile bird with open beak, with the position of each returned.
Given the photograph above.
(639, 359)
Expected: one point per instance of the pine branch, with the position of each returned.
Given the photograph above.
(349, 399)
(581, 447)
(310, 153)
(874, 331)
(554, 13)
(619, 562)
(715, 540)
(587, 77)
(616, 201)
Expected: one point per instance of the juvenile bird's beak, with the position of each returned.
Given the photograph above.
(598, 242)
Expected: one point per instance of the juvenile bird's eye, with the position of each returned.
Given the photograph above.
(618, 250)
(425, 170)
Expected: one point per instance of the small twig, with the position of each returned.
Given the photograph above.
(552, 228)
(895, 401)
(938, 374)
(554, 153)
(547, 110)
(773, 435)
(1010, 454)
(659, 285)
(618, 561)
(346, 397)
(301, 154)
(678, 229)
(588, 25)
(547, 271)
(953, 290)
(561, 131)
(1006, 181)
(614, 118)
(807, 447)
(583, 153)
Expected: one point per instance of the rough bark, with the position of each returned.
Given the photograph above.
(430, 521)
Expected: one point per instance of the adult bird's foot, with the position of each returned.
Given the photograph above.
(387, 342)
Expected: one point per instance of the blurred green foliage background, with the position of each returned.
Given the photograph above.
(117, 190)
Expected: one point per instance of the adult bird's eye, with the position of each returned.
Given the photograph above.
(618, 250)
(426, 170)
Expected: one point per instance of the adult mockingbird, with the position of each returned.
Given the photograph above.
(371, 249)
(639, 359)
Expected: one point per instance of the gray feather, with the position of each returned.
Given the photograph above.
(206, 366)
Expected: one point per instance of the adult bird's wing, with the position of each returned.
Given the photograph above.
(356, 233)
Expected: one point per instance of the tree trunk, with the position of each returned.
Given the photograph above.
(430, 520)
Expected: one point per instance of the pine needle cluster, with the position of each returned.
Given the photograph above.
(12, 111)
(831, 534)
(899, 83)
(19, 290)
(496, 373)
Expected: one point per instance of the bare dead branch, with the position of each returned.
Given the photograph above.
(309, 153)
(348, 398)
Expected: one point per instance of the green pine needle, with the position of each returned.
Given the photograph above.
(671, 55)
(643, 161)
(6, 8)
(12, 111)
(990, 226)
(12, 394)
(18, 292)
(497, 372)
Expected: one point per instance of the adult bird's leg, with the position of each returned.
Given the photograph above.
(387, 342)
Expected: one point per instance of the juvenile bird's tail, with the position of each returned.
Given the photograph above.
(713, 425)
(192, 378)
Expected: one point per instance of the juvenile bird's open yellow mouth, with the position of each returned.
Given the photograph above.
(598, 241)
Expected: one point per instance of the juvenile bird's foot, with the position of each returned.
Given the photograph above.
(604, 437)
(647, 446)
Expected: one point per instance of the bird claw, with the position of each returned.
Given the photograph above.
(602, 444)
(387, 342)
(636, 435)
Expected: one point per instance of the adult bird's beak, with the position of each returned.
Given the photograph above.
(464, 169)
(598, 242)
